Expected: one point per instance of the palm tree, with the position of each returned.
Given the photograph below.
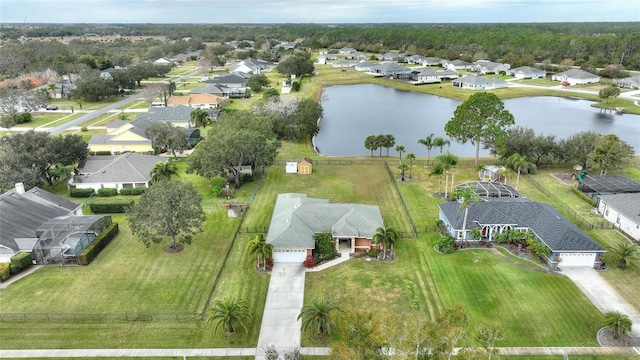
(466, 195)
(387, 236)
(267, 250)
(428, 142)
(448, 161)
(52, 90)
(400, 150)
(171, 88)
(441, 142)
(517, 162)
(625, 251)
(402, 167)
(199, 118)
(438, 170)
(163, 171)
(256, 247)
(230, 313)
(411, 157)
(317, 315)
(617, 322)
(371, 143)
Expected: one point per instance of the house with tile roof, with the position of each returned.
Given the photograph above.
(576, 77)
(569, 245)
(22, 212)
(527, 72)
(622, 210)
(296, 218)
(201, 101)
(118, 172)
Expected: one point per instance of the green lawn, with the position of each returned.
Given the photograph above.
(49, 119)
(140, 104)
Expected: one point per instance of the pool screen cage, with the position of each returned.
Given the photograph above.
(488, 190)
(607, 184)
(61, 239)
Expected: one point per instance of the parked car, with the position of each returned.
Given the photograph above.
(52, 107)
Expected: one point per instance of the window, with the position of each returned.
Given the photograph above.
(618, 219)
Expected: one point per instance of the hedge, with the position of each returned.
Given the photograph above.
(110, 207)
(20, 261)
(90, 252)
(81, 193)
(132, 191)
(107, 192)
(5, 271)
(584, 196)
(99, 153)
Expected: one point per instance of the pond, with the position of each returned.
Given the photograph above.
(352, 112)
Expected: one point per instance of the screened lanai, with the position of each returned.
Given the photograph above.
(608, 184)
(61, 239)
(490, 190)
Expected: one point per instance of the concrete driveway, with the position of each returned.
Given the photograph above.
(603, 296)
(285, 297)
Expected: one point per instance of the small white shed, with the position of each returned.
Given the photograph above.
(291, 167)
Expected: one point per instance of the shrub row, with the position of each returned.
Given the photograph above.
(4, 271)
(90, 252)
(584, 196)
(132, 191)
(20, 261)
(80, 193)
(110, 208)
(99, 153)
(107, 192)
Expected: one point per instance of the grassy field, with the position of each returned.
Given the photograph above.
(49, 119)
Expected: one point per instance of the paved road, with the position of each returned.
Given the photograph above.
(84, 118)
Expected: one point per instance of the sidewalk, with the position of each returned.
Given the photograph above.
(88, 353)
(5, 284)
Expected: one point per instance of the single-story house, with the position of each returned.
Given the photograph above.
(432, 61)
(22, 212)
(164, 61)
(343, 63)
(305, 166)
(251, 66)
(389, 57)
(479, 83)
(64, 88)
(363, 66)
(234, 80)
(203, 101)
(178, 115)
(489, 67)
(527, 72)
(346, 50)
(622, 210)
(296, 218)
(429, 76)
(576, 77)
(415, 59)
(457, 65)
(390, 69)
(359, 56)
(124, 171)
(628, 83)
(221, 91)
(569, 245)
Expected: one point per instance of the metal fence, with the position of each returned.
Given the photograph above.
(379, 161)
(579, 220)
(100, 318)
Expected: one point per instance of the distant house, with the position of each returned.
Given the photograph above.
(363, 66)
(64, 88)
(305, 166)
(432, 61)
(390, 69)
(116, 171)
(576, 77)
(622, 210)
(430, 75)
(221, 91)
(489, 67)
(202, 101)
(346, 50)
(489, 173)
(107, 73)
(22, 212)
(360, 56)
(569, 245)
(415, 59)
(164, 61)
(628, 83)
(479, 83)
(296, 218)
(527, 72)
(457, 65)
(285, 45)
(251, 66)
(389, 57)
(229, 80)
(343, 63)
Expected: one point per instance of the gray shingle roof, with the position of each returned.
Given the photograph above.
(577, 74)
(558, 233)
(626, 204)
(167, 114)
(128, 167)
(296, 218)
(22, 214)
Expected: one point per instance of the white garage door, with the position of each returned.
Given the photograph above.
(577, 259)
(289, 255)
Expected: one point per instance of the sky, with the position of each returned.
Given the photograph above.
(317, 11)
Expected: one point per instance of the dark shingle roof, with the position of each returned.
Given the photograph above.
(558, 233)
(22, 214)
(167, 114)
(128, 167)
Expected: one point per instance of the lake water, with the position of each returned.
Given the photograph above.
(352, 112)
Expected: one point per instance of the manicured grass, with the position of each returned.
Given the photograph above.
(363, 184)
(140, 104)
(533, 309)
(66, 104)
(49, 119)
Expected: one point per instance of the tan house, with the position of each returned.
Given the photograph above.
(125, 136)
(203, 101)
(305, 166)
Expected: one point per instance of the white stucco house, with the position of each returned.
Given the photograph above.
(622, 210)
(479, 83)
(576, 77)
(526, 72)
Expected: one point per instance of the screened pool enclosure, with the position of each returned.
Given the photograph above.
(61, 239)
